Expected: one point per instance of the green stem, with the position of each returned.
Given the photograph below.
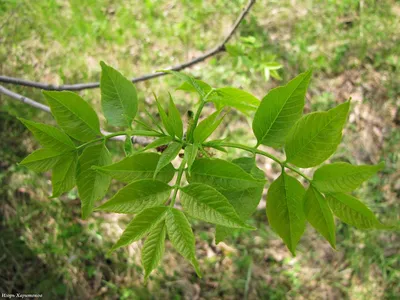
(203, 102)
(252, 150)
(178, 182)
(266, 154)
(103, 138)
(297, 171)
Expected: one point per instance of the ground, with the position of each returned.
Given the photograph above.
(353, 48)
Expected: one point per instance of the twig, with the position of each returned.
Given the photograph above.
(82, 86)
(135, 140)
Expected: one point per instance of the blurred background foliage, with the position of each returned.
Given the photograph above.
(353, 48)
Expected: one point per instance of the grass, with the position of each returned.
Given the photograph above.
(353, 49)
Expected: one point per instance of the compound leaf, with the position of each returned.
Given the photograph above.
(118, 97)
(236, 98)
(181, 235)
(319, 214)
(315, 137)
(63, 176)
(137, 196)
(279, 110)
(167, 156)
(138, 166)
(285, 210)
(92, 185)
(205, 203)
(74, 115)
(141, 225)
(343, 177)
(41, 160)
(49, 136)
(153, 248)
(353, 212)
(222, 175)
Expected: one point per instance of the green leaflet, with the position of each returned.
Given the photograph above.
(153, 249)
(190, 155)
(205, 203)
(181, 235)
(315, 137)
(158, 142)
(353, 212)
(319, 214)
(92, 185)
(49, 136)
(141, 225)
(175, 118)
(165, 119)
(206, 127)
(343, 177)
(63, 176)
(201, 89)
(41, 160)
(223, 175)
(236, 98)
(118, 97)
(167, 156)
(74, 115)
(128, 147)
(138, 196)
(285, 210)
(279, 110)
(245, 202)
(187, 87)
(138, 166)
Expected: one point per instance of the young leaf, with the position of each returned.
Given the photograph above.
(92, 185)
(285, 210)
(118, 97)
(63, 176)
(200, 89)
(190, 155)
(137, 196)
(167, 156)
(74, 115)
(158, 142)
(141, 225)
(244, 202)
(279, 110)
(315, 137)
(181, 235)
(352, 211)
(128, 147)
(222, 175)
(343, 177)
(49, 136)
(236, 98)
(187, 87)
(175, 118)
(206, 127)
(205, 203)
(153, 249)
(319, 214)
(41, 160)
(165, 119)
(138, 166)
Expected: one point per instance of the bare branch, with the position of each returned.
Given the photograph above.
(135, 140)
(82, 86)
